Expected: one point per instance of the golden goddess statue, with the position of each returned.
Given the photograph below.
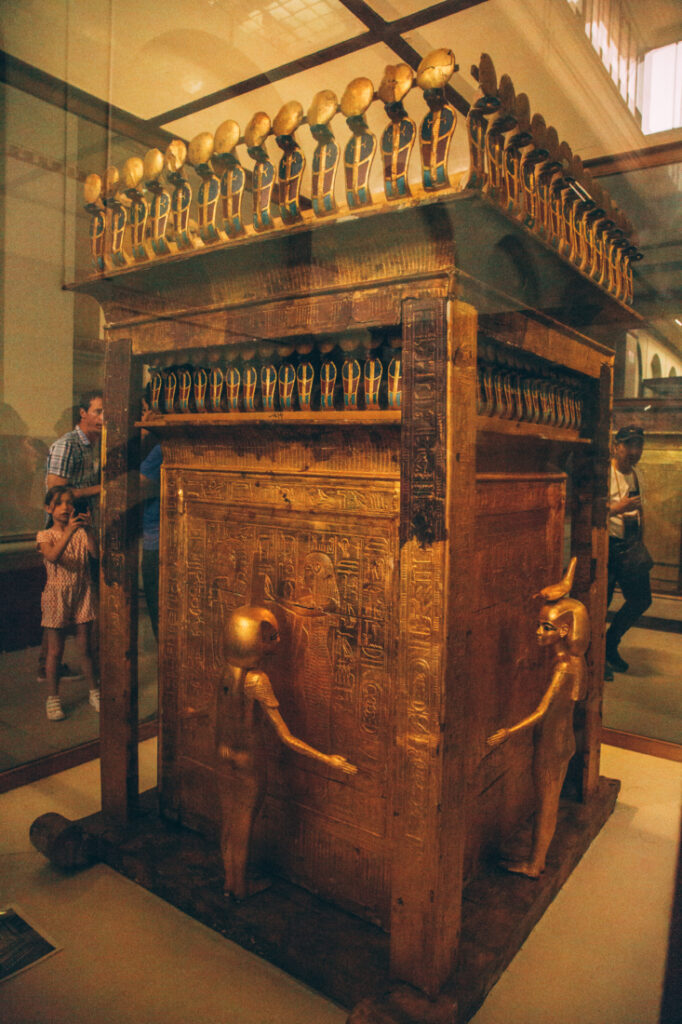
(564, 625)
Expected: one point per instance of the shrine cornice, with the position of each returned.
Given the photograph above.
(358, 267)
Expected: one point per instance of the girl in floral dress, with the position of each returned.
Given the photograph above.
(68, 599)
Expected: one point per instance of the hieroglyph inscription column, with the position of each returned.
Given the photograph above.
(118, 586)
(590, 543)
(436, 529)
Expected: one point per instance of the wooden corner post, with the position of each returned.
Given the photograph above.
(118, 587)
(436, 531)
(590, 543)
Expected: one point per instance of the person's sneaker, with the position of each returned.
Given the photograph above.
(53, 708)
(94, 699)
(614, 659)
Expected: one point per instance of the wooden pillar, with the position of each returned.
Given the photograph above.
(118, 587)
(591, 546)
(436, 540)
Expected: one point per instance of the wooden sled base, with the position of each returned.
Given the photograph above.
(336, 953)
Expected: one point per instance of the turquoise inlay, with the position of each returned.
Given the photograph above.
(268, 385)
(215, 388)
(250, 383)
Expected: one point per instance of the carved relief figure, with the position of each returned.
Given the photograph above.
(292, 164)
(482, 112)
(175, 158)
(255, 135)
(438, 126)
(199, 156)
(131, 177)
(117, 219)
(398, 138)
(233, 178)
(326, 156)
(160, 203)
(313, 614)
(360, 148)
(92, 192)
(245, 703)
(564, 626)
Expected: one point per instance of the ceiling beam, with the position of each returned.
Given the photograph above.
(635, 160)
(378, 31)
(408, 22)
(391, 33)
(75, 101)
(292, 67)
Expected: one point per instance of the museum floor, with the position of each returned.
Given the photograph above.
(647, 700)
(26, 734)
(127, 957)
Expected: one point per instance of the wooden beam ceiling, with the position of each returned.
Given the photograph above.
(635, 160)
(378, 31)
(54, 91)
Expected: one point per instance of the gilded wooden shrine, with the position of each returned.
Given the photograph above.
(384, 421)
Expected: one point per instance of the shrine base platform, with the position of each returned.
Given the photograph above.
(335, 952)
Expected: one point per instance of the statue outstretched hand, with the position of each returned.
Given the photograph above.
(336, 761)
(498, 738)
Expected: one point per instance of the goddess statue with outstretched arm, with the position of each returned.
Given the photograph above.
(564, 626)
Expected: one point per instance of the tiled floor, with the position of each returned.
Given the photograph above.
(597, 956)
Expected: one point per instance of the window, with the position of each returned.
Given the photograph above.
(661, 89)
(612, 35)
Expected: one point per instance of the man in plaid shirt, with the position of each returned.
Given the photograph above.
(73, 459)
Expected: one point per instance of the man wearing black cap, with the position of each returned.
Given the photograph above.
(629, 561)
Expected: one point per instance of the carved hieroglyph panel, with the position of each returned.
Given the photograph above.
(322, 554)
(331, 589)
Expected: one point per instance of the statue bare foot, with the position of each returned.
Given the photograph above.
(255, 883)
(522, 867)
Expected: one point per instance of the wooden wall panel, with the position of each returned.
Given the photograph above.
(246, 535)
(518, 550)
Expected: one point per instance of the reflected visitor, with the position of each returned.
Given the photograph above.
(68, 599)
(73, 461)
(629, 560)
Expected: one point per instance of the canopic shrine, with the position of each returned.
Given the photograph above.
(385, 422)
